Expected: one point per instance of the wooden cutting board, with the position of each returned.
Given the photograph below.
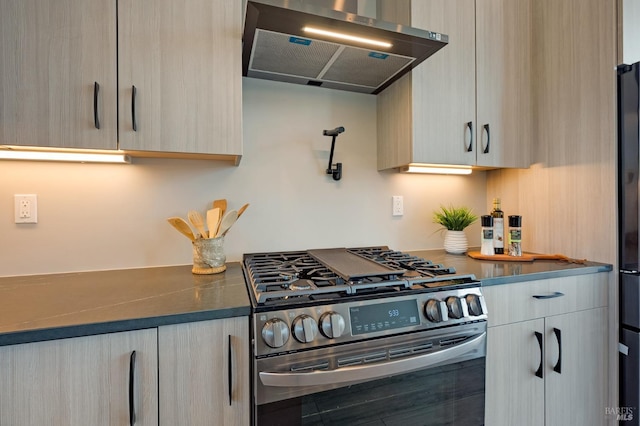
(526, 257)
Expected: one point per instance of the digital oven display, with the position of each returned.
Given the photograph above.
(383, 316)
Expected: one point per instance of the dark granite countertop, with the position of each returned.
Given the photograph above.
(45, 307)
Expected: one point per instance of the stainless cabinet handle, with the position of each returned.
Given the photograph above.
(132, 379)
(558, 367)
(539, 370)
(133, 108)
(96, 118)
(486, 129)
(470, 127)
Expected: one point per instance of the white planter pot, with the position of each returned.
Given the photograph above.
(455, 242)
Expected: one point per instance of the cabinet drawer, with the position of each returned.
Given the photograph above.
(516, 302)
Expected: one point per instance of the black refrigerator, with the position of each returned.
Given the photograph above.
(628, 211)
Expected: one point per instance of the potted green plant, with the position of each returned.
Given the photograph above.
(455, 220)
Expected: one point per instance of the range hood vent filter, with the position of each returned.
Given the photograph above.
(276, 48)
(282, 56)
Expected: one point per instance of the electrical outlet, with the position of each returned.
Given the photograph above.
(397, 205)
(26, 208)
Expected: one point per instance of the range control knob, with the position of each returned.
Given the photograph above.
(305, 329)
(457, 307)
(436, 310)
(332, 325)
(476, 304)
(275, 333)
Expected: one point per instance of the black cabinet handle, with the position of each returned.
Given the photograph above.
(132, 379)
(230, 372)
(133, 108)
(558, 367)
(486, 148)
(470, 127)
(96, 91)
(539, 370)
(549, 296)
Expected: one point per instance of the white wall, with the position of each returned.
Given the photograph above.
(630, 31)
(95, 217)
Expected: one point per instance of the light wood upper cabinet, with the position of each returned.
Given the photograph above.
(51, 54)
(183, 58)
(504, 88)
(470, 103)
(204, 373)
(80, 381)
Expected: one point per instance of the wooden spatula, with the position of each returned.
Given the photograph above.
(213, 221)
(221, 204)
(182, 226)
(227, 221)
(242, 209)
(198, 222)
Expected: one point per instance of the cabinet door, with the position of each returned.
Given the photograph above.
(80, 381)
(51, 54)
(204, 373)
(577, 393)
(514, 394)
(504, 106)
(444, 85)
(428, 116)
(184, 60)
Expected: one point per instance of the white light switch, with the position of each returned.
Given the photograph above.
(26, 208)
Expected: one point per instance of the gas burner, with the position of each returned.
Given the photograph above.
(301, 285)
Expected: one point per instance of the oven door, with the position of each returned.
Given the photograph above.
(434, 377)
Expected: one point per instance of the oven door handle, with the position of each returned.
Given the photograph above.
(374, 371)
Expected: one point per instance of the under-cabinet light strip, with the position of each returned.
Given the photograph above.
(449, 170)
(77, 157)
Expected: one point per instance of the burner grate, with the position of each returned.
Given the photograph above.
(297, 277)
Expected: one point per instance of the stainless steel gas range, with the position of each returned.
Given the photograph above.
(364, 335)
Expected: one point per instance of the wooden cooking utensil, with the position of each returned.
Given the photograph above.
(242, 209)
(213, 221)
(227, 221)
(182, 226)
(198, 222)
(221, 204)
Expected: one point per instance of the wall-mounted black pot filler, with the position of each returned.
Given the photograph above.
(336, 171)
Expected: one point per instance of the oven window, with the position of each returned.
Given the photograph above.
(448, 395)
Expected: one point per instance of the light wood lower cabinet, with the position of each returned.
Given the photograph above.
(204, 373)
(80, 381)
(514, 395)
(547, 359)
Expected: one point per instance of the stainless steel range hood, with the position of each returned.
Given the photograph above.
(277, 45)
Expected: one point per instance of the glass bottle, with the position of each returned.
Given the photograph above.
(486, 236)
(498, 227)
(515, 235)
